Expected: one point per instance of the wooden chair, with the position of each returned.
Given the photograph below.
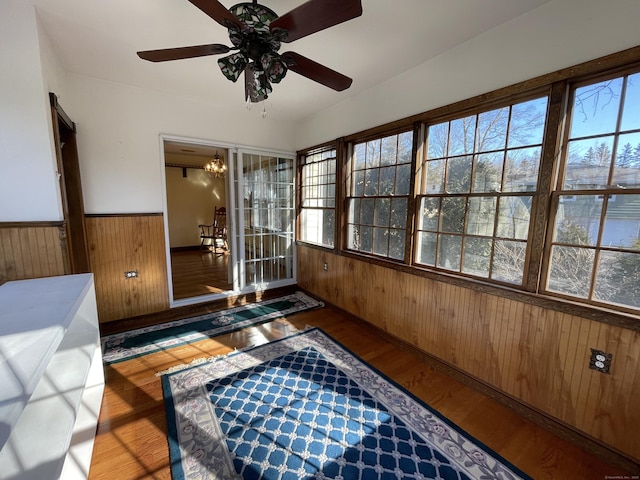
(213, 237)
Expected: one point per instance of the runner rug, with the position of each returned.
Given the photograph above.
(135, 343)
(304, 407)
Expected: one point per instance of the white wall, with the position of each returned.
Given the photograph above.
(559, 34)
(119, 130)
(190, 201)
(29, 188)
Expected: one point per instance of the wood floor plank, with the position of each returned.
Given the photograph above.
(131, 442)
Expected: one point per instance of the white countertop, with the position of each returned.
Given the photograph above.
(34, 317)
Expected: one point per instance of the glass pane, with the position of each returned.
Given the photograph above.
(622, 222)
(627, 167)
(595, 108)
(429, 214)
(630, 117)
(588, 164)
(399, 213)
(571, 270)
(366, 239)
(373, 153)
(578, 220)
(405, 144)
(403, 179)
(389, 150)
(354, 210)
(358, 183)
(527, 123)
(459, 175)
(359, 156)
(481, 216)
(383, 206)
(437, 140)
(521, 170)
(508, 261)
(477, 255)
(434, 182)
(492, 130)
(452, 214)
(380, 241)
(387, 180)
(618, 278)
(513, 217)
(396, 244)
(366, 211)
(487, 172)
(371, 182)
(328, 230)
(330, 201)
(427, 248)
(449, 252)
(461, 137)
(353, 242)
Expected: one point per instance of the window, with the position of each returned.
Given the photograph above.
(595, 243)
(377, 190)
(478, 176)
(318, 192)
(511, 188)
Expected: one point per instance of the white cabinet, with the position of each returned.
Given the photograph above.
(51, 377)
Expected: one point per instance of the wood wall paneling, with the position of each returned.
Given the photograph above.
(121, 243)
(32, 250)
(535, 355)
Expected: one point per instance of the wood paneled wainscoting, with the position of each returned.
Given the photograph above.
(32, 250)
(534, 357)
(124, 243)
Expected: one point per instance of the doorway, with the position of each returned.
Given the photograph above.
(257, 191)
(199, 267)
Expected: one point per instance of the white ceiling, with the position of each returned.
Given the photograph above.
(99, 38)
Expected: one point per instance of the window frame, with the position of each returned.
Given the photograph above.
(345, 198)
(301, 161)
(497, 194)
(609, 194)
(556, 85)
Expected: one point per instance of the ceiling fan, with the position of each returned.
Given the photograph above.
(256, 32)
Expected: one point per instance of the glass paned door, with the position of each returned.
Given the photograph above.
(266, 211)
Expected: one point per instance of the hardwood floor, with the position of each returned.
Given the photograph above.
(197, 272)
(131, 442)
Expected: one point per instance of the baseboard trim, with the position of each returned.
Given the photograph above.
(562, 430)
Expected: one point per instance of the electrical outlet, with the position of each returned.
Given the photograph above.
(325, 267)
(131, 274)
(600, 361)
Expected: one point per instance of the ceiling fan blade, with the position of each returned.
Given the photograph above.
(183, 52)
(316, 15)
(316, 72)
(216, 10)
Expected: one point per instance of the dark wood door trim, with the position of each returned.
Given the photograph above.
(64, 133)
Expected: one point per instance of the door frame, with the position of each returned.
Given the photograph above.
(233, 179)
(68, 166)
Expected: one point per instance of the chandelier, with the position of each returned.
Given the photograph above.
(216, 166)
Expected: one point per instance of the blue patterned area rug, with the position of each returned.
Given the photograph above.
(305, 407)
(135, 343)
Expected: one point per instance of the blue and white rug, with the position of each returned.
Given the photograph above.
(135, 343)
(304, 407)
